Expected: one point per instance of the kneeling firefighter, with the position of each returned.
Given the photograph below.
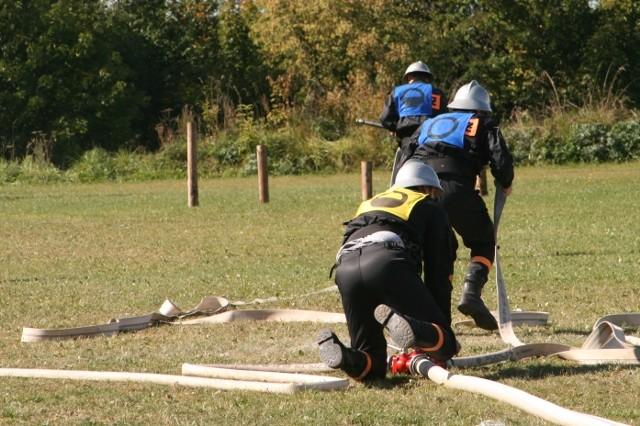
(395, 237)
(458, 145)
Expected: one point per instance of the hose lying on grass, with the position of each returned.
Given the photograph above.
(253, 381)
(539, 407)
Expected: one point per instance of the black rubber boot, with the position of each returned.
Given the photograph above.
(409, 332)
(337, 355)
(471, 303)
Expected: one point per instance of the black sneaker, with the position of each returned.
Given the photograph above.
(397, 326)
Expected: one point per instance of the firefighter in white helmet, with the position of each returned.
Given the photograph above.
(458, 145)
(409, 104)
(395, 237)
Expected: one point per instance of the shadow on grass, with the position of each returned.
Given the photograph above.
(577, 253)
(389, 382)
(545, 371)
(534, 372)
(579, 332)
(474, 332)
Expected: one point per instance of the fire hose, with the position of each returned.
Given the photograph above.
(606, 344)
(605, 338)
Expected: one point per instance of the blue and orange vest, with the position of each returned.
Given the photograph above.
(414, 99)
(450, 128)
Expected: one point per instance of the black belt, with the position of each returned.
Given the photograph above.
(448, 164)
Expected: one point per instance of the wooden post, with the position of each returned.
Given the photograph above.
(366, 187)
(481, 181)
(192, 169)
(263, 176)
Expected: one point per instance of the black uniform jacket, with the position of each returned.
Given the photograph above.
(425, 233)
(485, 146)
(405, 126)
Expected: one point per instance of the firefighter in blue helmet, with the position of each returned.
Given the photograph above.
(409, 104)
(395, 237)
(457, 145)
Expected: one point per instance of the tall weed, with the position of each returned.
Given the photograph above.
(29, 170)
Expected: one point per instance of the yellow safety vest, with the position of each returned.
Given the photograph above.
(398, 202)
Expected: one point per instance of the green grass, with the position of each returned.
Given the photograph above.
(81, 254)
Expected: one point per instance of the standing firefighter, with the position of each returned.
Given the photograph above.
(408, 105)
(457, 145)
(395, 236)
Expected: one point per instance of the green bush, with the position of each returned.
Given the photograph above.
(586, 143)
(170, 161)
(317, 156)
(520, 140)
(9, 171)
(547, 148)
(227, 152)
(94, 166)
(289, 151)
(623, 141)
(297, 150)
(590, 142)
(29, 170)
(38, 171)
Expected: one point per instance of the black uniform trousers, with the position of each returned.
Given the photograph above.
(468, 214)
(375, 275)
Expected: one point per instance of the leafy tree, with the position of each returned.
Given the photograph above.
(613, 46)
(79, 74)
(242, 72)
(340, 53)
(513, 48)
(172, 48)
(61, 75)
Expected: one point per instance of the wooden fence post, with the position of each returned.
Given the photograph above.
(263, 176)
(366, 187)
(192, 167)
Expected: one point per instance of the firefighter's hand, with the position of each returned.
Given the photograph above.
(507, 191)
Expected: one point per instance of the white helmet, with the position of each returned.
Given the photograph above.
(418, 68)
(416, 173)
(471, 96)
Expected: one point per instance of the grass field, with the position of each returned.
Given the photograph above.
(80, 254)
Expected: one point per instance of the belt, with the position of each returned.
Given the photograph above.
(390, 245)
(449, 164)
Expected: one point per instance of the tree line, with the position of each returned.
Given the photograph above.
(114, 74)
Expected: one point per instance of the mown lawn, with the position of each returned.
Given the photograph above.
(81, 254)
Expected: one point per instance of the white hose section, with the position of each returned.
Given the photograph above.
(311, 380)
(520, 399)
(163, 379)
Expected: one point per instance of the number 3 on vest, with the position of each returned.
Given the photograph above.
(472, 127)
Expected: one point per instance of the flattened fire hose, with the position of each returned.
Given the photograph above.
(606, 344)
(504, 313)
(217, 377)
(215, 307)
